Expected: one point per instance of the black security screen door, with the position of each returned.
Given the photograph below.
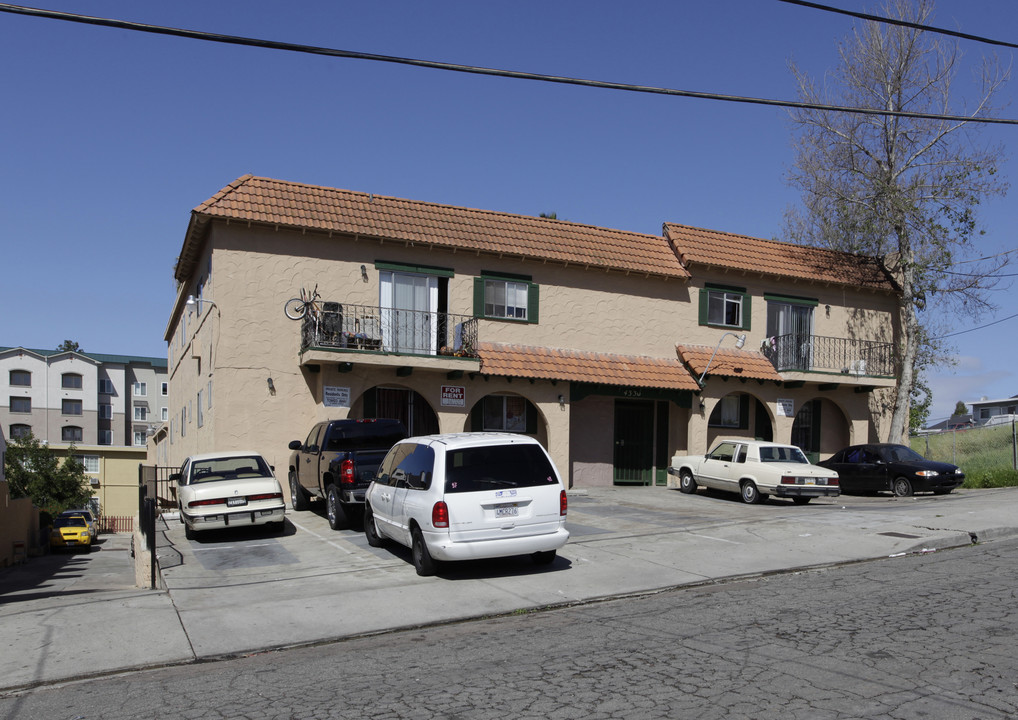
(634, 442)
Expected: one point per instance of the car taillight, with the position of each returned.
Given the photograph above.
(833, 481)
(346, 472)
(265, 496)
(203, 503)
(440, 515)
(563, 503)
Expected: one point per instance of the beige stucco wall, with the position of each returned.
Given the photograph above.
(230, 351)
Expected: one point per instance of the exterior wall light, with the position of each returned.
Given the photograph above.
(740, 340)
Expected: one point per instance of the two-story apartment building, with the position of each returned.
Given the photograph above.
(593, 340)
(106, 406)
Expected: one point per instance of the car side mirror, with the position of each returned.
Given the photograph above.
(174, 477)
(294, 445)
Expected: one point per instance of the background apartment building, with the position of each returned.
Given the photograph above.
(107, 406)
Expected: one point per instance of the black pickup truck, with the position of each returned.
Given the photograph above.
(337, 462)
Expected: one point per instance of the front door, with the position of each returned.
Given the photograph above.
(634, 442)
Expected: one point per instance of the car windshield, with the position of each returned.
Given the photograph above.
(493, 467)
(75, 521)
(782, 453)
(229, 468)
(900, 453)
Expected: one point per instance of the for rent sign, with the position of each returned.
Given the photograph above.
(454, 395)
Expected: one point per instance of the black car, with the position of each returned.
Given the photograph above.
(867, 469)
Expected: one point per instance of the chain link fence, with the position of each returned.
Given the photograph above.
(975, 450)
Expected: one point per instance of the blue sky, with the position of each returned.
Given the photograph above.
(111, 137)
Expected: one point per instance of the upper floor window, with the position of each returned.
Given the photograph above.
(506, 297)
(105, 411)
(21, 377)
(140, 438)
(91, 463)
(70, 433)
(164, 389)
(724, 306)
(140, 389)
(21, 405)
(165, 414)
(105, 386)
(70, 407)
(140, 413)
(105, 437)
(20, 430)
(71, 381)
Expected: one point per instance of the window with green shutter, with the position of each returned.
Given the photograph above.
(504, 296)
(725, 306)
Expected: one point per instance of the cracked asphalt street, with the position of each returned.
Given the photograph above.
(921, 636)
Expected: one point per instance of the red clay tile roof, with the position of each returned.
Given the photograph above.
(696, 246)
(729, 363)
(577, 366)
(293, 205)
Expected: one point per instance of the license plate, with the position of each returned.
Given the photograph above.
(233, 502)
(507, 510)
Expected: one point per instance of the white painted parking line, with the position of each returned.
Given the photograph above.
(709, 537)
(323, 539)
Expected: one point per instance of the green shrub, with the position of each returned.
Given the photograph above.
(991, 478)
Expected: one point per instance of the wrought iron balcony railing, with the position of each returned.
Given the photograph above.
(828, 354)
(386, 330)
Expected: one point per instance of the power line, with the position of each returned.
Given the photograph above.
(980, 327)
(903, 23)
(477, 70)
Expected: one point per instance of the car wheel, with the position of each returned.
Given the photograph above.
(422, 558)
(188, 532)
(335, 510)
(298, 498)
(370, 531)
(686, 482)
(942, 491)
(801, 500)
(543, 558)
(750, 494)
(902, 487)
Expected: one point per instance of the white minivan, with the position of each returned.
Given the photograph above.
(463, 496)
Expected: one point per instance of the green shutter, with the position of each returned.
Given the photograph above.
(747, 312)
(533, 302)
(704, 295)
(478, 297)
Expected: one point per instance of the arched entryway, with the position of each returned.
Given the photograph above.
(740, 414)
(820, 429)
(507, 412)
(403, 404)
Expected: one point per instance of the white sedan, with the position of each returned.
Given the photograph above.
(755, 469)
(230, 489)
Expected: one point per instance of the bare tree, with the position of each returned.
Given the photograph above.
(902, 189)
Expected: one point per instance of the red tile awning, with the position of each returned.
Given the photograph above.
(727, 363)
(576, 366)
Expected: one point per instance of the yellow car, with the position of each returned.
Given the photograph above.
(71, 531)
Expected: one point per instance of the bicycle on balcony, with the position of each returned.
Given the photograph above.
(298, 307)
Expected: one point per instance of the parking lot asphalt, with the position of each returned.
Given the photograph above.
(66, 617)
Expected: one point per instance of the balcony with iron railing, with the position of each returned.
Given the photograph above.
(815, 353)
(372, 329)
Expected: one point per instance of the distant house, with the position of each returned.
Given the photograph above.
(614, 349)
(984, 410)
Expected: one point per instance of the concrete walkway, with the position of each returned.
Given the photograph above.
(65, 617)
